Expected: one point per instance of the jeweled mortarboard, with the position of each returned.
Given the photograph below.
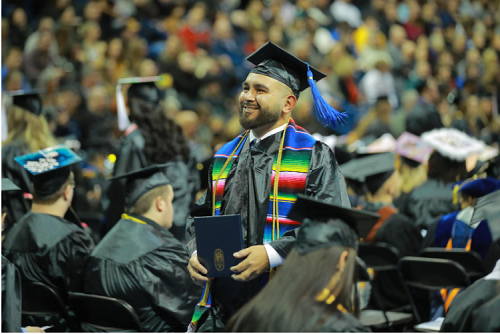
(327, 225)
(452, 143)
(144, 88)
(369, 173)
(28, 100)
(277, 63)
(141, 181)
(412, 147)
(8, 185)
(49, 168)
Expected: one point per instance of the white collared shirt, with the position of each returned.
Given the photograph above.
(274, 258)
(495, 274)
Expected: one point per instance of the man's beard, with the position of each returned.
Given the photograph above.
(266, 116)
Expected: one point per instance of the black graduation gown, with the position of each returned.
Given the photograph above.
(427, 202)
(184, 178)
(460, 314)
(343, 323)
(15, 202)
(485, 318)
(398, 231)
(146, 266)
(50, 250)
(11, 297)
(247, 191)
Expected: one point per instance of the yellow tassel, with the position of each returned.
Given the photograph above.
(323, 295)
(341, 308)
(330, 299)
(455, 194)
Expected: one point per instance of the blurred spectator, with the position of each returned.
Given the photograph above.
(19, 29)
(195, 32)
(46, 25)
(40, 58)
(97, 121)
(398, 122)
(379, 81)
(344, 11)
(425, 117)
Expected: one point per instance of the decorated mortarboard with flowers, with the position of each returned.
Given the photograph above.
(49, 168)
(452, 143)
(277, 63)
(413, 147)
(326, 225)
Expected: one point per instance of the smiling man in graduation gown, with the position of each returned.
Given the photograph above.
(43, 245)
(140, 261)
(259, 174)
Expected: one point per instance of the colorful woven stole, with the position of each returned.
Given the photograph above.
(290, 167)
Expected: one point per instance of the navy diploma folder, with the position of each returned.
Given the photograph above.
(217, 238)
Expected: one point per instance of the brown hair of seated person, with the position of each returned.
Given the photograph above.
(57, 203)
(288, 302)
(444, 169)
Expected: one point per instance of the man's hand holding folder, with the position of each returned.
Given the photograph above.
(255, 263)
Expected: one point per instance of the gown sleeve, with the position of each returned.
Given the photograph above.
(324, 182)
(71, 255)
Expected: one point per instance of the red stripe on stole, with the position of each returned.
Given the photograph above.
(291, 180)
(284, 221)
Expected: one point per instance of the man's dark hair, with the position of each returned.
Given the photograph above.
(445, 169)
(51, 199)
(145, 202)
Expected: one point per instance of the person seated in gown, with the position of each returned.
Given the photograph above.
(140, 261)
(312, 291)
(376, 181)
(446, 166)
(44, 246)
(475, 309)
(458, 229)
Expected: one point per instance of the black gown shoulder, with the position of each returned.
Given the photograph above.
(146, 266)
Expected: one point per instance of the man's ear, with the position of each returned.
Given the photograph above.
(290, 103)
(160, 204)
(67, 191)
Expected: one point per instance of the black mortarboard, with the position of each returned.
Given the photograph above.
(143, 88)
(49, 168)
(277, 63)
(30, 101)
(141, 181)
(8, 185)
(368, 174)
(328, 224)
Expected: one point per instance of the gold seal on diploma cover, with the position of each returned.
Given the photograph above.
(219, 259)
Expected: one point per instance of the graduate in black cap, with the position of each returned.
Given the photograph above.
(140, 261)
(260, 173)
(43, 245)
(151, 137)
(376, 180)
(28, 131)
(312, 291)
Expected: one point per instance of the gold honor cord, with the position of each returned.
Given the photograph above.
(125, 216)
(223, 169)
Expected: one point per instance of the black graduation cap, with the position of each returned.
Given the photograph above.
(141, 181)
(29, 100)
(49, 168)
(327, 225)
(143, 88)
(8, 185)
(277, 63)
(370, 172)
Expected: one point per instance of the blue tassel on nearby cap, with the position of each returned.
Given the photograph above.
(325, 113)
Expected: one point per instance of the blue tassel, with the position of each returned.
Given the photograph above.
(325, 113)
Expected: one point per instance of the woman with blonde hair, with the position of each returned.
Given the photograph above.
(313, 290)
(28, 132)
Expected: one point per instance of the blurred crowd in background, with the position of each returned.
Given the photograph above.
(386, 60)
